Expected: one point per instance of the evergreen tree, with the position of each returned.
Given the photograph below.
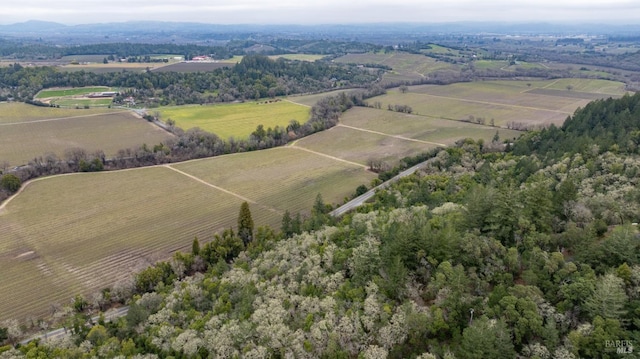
(609, 298)
(195, 247)
(286, 227)
(486, 338)
(245, 224)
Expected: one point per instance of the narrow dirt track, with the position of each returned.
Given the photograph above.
(211, 185)
(328, 156)
(394, 136)
(62, 118)
(497, 104)
(274, 210)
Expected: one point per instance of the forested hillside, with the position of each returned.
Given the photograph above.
(483, 254)
(603, 125)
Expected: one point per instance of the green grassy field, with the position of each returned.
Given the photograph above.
(71, 91)
(235, 120)
(490, 64)
(52, 130)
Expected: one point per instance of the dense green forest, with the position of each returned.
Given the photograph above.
(603, 125)
(256, 76)
(483, 254)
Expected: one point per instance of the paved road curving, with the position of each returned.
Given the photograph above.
(360, 200)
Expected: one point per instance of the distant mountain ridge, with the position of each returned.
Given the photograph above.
(32, 26)
(44, 28)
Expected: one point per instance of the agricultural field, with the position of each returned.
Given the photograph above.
(35, 131)
(284, 178)
(298, 57)
(82, 102)
(505, 65)
(84, 58)
(310, 100)
(233, 60)
(441, 50)
(101, 227)
(490, 64)
(605, 87)
(421, 128)
(12, 112)
(169, 57)
(76, 97)
(406, 67)
(235, 120)
(527, 102)
(77, 91)
(366, 133)
(360, 146)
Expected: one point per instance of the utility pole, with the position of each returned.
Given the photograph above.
(471, 319)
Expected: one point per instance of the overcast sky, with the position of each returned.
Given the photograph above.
(321, 11)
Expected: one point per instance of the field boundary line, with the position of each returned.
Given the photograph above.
(551, 84)
(329, 156)
(394, 136)
(222, 189)
(496, 104)
(296, 103)
(63, 118)
(210, 185)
